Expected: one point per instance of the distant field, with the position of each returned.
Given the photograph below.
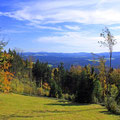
(19, 107)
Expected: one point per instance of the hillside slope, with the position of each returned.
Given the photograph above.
(19, 107)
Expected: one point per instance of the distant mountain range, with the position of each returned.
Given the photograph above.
(82, 58)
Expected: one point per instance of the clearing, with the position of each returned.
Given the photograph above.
(20, 107)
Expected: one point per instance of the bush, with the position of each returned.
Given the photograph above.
(66, 96)
(95, 100)
(110, 101)
(28, 89)
(55, 90)
(18, 86)
(111, 105)
(39, 91)
(42, 92)
(97, 92)
(113, 90)
(69, 97)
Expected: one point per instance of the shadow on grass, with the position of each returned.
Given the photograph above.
(109, 113)
(44, 113)
(65, 103)
(68, 112)
(7, 117)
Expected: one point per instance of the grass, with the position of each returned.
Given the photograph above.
(19, 107)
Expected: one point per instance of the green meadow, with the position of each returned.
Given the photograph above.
(20, 107)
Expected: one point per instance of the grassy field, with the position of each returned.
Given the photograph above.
(19, 107)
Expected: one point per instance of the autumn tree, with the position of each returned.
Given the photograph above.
(18, 64)
(115, 80)
(5, 75)
(29, 66)
(102, 77)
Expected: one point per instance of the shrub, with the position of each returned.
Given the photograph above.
(46, 92)
(110, 100)
(69, 97)
(18, 86)
(113, 90)
(55, 90)
(39, 91)
(42, 92)
(111, 105)
(66, 96)
(95, 99)
(28, 89)
(97, 92)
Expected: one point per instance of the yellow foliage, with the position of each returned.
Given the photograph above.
(46, 86)
(5, 75)
(102, 76)
(115, 76)
(76, 70)
(53, 70)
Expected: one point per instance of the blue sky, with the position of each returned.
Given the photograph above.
(59, 25)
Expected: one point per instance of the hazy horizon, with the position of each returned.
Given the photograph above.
(68, 52)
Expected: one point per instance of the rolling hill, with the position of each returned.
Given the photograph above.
(69, 59)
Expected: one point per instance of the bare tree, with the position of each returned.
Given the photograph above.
(109, 41)
(2, 40)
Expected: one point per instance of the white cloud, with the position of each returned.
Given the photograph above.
(57, 15)
(43, 12)
(45, 27)
(108, 1)
(9, 31)
(73, 39)
(115, 28)
(72, 27)
(78, 42)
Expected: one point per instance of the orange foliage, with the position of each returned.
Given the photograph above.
(76, 69)
(46, 86)
(5, 75)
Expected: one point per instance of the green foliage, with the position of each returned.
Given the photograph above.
(22, 87)
(55, 90)
(42, 92)
(17, 86)
(102, 76)
(18, 64)
(97, 92)
(113, 90)
(69, 97)
(41, 73)
(111, 105)
(115, 79)
(85, 88)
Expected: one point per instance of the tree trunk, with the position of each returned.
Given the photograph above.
(110, 59)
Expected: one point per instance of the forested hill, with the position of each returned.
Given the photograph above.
(69, 59)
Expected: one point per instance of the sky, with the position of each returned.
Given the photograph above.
(66, 26)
